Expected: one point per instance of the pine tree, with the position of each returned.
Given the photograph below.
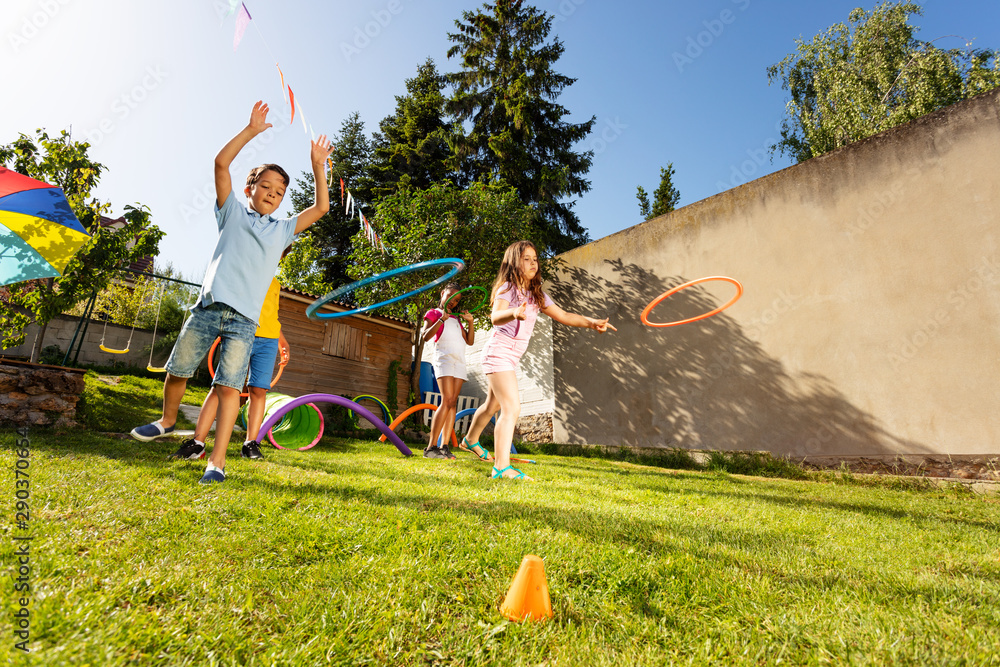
(643, 203)
(512, 128)
(665, 197)
(412, 146)
(331, 235)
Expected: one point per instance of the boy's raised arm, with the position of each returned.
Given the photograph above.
(223, 181)
(319, 152)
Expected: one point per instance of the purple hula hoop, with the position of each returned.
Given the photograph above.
(272, 420)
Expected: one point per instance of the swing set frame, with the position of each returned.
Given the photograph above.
(88, 312)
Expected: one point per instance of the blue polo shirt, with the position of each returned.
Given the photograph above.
(245, 257)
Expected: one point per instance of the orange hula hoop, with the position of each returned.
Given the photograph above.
(409, 411)
(655, 302)
(211, 367)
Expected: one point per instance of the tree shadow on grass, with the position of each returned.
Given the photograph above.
(153, 456)
(703, 385)
(749, 549)
(756, 495)
(755, 550)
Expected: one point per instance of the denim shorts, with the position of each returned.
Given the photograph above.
(262, 358)
(199, 332)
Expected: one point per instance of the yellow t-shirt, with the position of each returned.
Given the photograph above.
(269, 326)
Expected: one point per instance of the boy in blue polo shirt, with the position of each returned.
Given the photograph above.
(250, 244)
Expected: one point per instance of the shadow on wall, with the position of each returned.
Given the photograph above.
(703, 385)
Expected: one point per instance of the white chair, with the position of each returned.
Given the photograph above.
(464, 403)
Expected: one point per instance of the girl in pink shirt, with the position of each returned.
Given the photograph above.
(517, 291)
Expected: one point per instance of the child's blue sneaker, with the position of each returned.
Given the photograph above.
(151, 432)
(212, 475)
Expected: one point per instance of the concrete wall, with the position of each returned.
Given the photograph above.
(60, 332)
(869, 325)
(534, 375)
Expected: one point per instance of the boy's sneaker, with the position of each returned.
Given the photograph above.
(446, 450)
(212, 475)
(152, 431)
(251, 450)
(434, 453)
(190, 449)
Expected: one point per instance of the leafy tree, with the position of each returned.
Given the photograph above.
(665, 197)
(173, 300)
(412, 147)
(123, 303)
(65, 163)
(858, 79)
(475, 225)
(513, 130)
(300, 269)
(331, 235)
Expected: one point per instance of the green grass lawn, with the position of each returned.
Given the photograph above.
(352, 554)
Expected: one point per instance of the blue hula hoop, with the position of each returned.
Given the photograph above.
(457, 265)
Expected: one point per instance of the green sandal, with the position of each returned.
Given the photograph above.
(498, 474)
(475, 449)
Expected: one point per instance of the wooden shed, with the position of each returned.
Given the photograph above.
(347, 356)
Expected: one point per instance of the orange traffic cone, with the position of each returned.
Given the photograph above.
(528, 597)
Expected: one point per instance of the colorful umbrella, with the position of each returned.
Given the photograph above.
(39, 233)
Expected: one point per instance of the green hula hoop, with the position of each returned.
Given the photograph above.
(386, 415)
(482, 302)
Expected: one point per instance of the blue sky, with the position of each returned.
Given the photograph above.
(157, 87)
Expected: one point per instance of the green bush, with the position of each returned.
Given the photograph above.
(51, 354)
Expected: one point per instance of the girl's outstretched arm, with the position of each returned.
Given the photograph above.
(574, 320)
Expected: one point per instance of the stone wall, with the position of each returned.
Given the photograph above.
(534, 428)
(38, 395)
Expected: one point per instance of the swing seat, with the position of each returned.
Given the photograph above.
(153, 369)
(110, 351)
